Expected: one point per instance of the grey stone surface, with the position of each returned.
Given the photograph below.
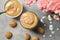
(19, 31)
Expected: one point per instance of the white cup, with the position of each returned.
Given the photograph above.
(18, 13)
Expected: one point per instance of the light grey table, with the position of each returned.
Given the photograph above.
(19, 31)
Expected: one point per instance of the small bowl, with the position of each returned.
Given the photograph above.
(18, 14)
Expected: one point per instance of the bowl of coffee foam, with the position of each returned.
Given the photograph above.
(13, 8)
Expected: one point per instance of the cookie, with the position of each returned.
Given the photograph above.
(27, 36)
(35, 38)
(13, 24)
(8, 35)
(41, 30)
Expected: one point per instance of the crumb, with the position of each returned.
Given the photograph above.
(12, 24)
(35, 38)
(8, 35)
(27, 36)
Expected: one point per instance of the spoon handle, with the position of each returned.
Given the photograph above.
(2, 12)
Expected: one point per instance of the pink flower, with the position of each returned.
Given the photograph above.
(49, 5)
(29, 2)
(54, 5)
(42, 5)
(56, 17)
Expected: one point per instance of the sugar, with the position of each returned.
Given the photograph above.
(52, 32)
(50, 35)
(50, 26)
(44, 36)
